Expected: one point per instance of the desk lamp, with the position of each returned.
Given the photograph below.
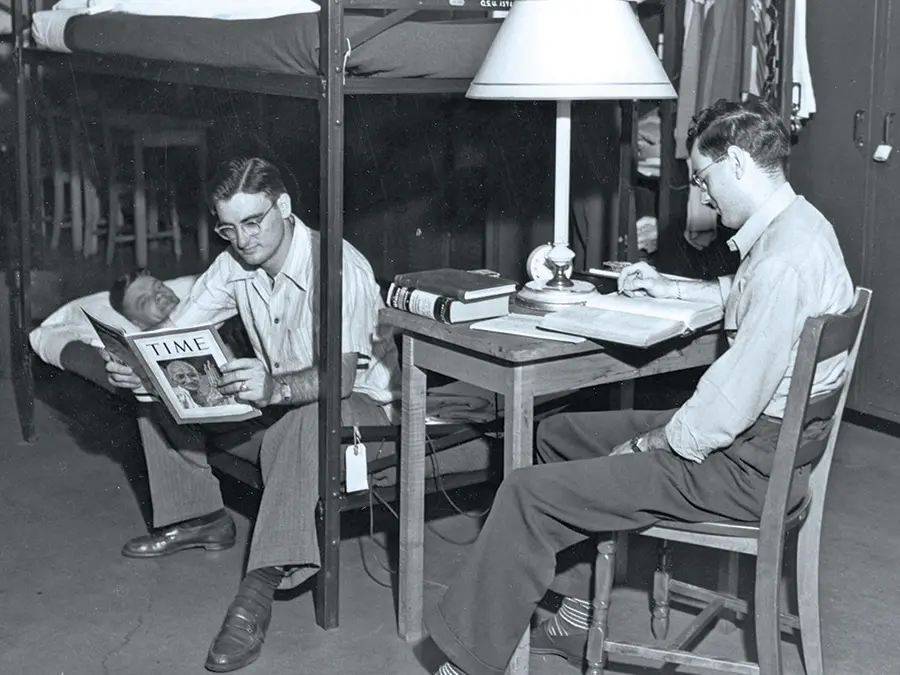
(565, 50)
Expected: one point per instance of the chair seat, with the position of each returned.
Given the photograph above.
(686, 532)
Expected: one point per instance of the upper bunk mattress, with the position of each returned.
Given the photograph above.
(283, 44)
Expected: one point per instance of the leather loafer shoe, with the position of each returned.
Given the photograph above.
(216, 535)
(239, 641)
(572, 648)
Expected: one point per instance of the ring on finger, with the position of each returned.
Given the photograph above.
(243, 386)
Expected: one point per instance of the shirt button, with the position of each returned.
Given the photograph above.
(277, 320)
(276, 365)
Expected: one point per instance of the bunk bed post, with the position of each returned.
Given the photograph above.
(18, 269)
(331, 213)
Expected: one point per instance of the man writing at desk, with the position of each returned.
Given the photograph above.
(269, 276)
(706, 461)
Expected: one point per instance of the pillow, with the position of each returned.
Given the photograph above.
(69, 324)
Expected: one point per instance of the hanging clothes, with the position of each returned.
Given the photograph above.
(804, 97)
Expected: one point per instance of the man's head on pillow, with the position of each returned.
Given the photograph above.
(142, 299)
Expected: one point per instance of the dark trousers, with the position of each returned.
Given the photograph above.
(578, 490)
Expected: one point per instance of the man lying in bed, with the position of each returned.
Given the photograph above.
(136, 301)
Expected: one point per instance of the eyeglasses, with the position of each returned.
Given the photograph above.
(696, 176)
(250, 228)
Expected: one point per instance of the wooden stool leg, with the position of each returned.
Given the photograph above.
(113, 219)
(202, 220)
(659, 621)
(152, 216)
(75, 190)
(175, 224)
(91, 217)
(604, 571)
(140, 203)
(60, 178)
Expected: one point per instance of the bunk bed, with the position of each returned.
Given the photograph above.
(320, 57)
(329, 63)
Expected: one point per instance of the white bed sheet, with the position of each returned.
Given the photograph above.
(68, 323)
(48, 27)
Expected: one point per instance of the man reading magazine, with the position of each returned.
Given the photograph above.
(269, 277)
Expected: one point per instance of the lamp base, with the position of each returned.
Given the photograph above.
(536, 295)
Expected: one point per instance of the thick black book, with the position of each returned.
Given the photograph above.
(453, 283)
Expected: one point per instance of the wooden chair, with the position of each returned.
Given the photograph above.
(822, 337)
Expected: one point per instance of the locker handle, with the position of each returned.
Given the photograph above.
(858, 118)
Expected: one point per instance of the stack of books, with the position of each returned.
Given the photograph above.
(451, 295)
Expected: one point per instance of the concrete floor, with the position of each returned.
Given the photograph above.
(71, 605)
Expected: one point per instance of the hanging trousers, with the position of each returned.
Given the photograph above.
(283, 441)
(577, 490)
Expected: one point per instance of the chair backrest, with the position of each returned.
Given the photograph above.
(823, 337)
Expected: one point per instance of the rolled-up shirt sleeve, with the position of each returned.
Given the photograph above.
(736, 389)
(359, 322)
(212, 299)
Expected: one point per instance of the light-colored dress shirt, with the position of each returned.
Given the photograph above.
(791, 269)
(281, 315)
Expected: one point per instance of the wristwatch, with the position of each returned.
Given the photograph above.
(636, 444)
(282, 391)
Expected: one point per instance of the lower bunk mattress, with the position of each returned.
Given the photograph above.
(286, 44)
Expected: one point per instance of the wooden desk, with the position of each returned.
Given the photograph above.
(519, 368)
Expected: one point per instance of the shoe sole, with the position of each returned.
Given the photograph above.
(215, 668)
(211, 546)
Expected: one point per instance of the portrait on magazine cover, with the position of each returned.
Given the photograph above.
(194, 382)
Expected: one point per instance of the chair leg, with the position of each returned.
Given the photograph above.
(729, 574)
(604, 571)
(767, 608)
(808, 597)
(659, 611)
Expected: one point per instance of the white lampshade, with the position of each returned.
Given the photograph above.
(571, 50)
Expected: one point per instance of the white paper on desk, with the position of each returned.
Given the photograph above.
(525, 325)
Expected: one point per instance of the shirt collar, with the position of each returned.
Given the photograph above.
(750, 232)
(298, 264)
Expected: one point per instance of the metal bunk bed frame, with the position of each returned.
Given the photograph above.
(328, 90)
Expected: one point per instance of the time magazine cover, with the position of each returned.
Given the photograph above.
(181, 367)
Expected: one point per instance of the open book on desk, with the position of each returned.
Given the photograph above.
(636, 321)
(181, 367)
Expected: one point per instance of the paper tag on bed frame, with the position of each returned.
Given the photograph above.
(357, 466)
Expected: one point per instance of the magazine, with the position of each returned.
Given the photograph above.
(181, 367)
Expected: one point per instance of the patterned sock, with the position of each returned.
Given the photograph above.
(573, 617)
(449, 669)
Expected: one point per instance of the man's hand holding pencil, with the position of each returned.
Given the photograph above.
(642, 279)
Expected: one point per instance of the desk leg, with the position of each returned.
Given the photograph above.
(518, 449)
(622, 398)
(412, 497)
